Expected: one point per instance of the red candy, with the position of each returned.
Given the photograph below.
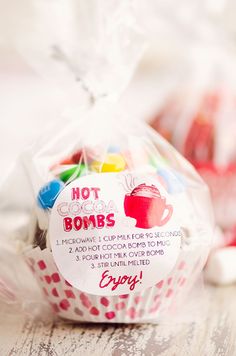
(77, 157)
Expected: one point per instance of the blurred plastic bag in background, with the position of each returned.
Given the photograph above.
(197, 112)
(198, 118)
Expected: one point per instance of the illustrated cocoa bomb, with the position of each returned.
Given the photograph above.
(146, 205)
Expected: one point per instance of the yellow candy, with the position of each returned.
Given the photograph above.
(113, 162)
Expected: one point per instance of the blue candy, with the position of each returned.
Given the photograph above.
(48, 193)
(174, 181)
(113, 149)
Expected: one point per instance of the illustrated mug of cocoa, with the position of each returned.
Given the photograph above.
(147, 206)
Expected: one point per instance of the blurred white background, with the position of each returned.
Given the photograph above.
(28, 101)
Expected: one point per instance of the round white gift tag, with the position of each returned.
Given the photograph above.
(114, 233)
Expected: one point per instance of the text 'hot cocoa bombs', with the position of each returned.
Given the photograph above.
(92, 221)
(100, 214)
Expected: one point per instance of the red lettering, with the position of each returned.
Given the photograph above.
(67, 224)
(104, 275)
(77, 223)
(95, 191)
(100, 221)
(75, 194)
(85, 193)
(107, 280)
(94, 221)
(110, 220)
(88, 220)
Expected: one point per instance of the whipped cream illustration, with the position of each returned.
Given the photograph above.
(143, 190)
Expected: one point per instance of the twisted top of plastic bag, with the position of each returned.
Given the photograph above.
(93, 43)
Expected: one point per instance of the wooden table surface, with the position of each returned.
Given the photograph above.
(213, 336)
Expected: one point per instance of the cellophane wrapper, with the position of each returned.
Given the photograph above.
(113, 223)
(197, 117)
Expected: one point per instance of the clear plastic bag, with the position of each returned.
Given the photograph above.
(198, 119)
(118, 225)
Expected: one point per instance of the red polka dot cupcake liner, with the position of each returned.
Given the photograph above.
(150, 305)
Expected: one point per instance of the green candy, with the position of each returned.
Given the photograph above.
(75, 171)
(158, 161)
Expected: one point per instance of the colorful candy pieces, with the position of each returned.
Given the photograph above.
(113, 162)
(76, 158)
(113, 149)
(48, 193)
(75, 171)
(173, 180)
(158, 161)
